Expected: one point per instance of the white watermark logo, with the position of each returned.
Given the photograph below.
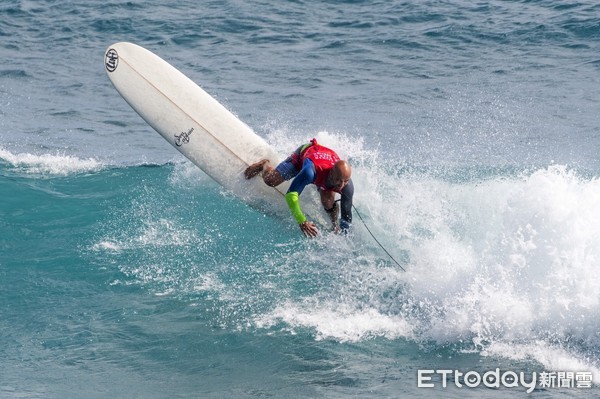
(508, 379)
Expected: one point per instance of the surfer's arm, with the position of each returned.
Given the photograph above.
(306, 176)
(346, 206)
(293, 202)
(308, 228)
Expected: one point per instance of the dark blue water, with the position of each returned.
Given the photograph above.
(473, 129)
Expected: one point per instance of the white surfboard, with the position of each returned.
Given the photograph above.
(194, 123)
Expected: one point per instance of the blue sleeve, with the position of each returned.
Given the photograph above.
(307, 175)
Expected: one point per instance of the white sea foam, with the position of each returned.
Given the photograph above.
(110, 246)
(495, 262)
(340, 322)
(551, 357)
(49, 164)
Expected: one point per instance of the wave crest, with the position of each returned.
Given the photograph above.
(49, 164)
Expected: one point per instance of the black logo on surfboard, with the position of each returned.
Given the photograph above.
(183, 137)
(111, 60)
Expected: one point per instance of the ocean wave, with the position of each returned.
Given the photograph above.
(495, 260)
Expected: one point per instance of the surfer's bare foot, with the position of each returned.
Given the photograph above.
(255, 168)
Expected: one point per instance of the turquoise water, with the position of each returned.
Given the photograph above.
(473, 132)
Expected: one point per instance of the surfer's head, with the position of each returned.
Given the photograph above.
(340, 174)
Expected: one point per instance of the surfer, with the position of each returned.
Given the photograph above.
(312, 164)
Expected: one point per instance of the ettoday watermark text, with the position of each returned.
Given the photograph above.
(508, 379)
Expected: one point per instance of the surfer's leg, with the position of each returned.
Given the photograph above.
(255, 168)
(272, 176)
(284, 171)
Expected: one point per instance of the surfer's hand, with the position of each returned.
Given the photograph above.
(309, 229)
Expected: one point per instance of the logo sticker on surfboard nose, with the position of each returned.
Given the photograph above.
(111, 60)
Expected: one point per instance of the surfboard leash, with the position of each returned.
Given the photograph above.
(375, 238)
